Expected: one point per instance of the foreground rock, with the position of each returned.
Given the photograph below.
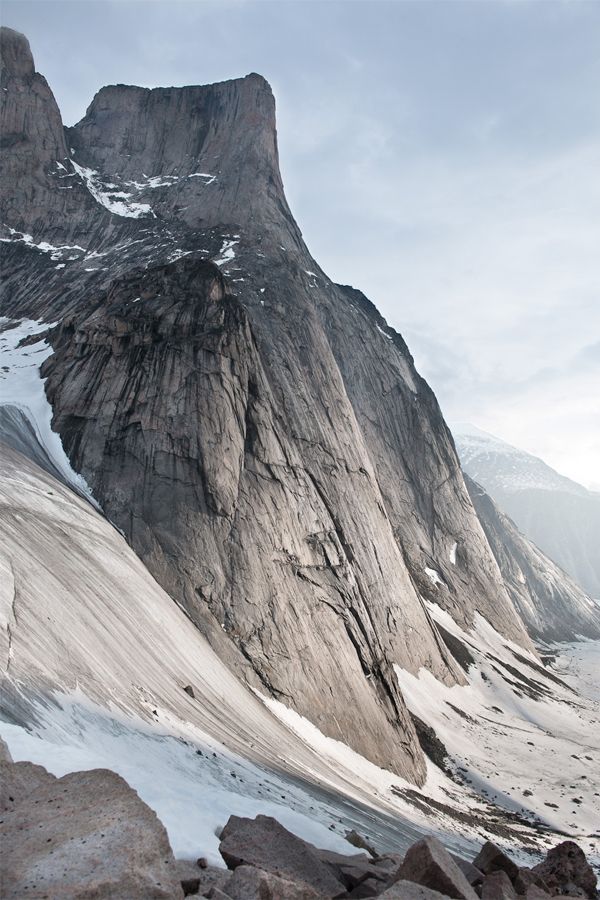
(247, 883)
(566, 871)
(428, 863)
(85, 835)
(264, 843)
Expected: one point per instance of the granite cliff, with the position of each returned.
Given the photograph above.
(258, 433)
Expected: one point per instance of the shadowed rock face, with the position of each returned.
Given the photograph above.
(259, 433)
(552, 606)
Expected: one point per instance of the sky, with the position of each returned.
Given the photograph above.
(441, 155)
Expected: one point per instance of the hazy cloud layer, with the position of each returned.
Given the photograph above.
(442, 156)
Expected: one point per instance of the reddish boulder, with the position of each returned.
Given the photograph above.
(566, 869)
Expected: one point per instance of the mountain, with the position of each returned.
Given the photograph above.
(252, 491)
(550, 604)
(560, 516)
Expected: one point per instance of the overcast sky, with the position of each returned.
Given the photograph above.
(442, 156)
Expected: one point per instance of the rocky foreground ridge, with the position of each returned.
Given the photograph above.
(88, 834)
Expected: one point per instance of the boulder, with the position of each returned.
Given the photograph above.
(205, 877)
(86, 835)
(498, 886)
(353, 874)
(565, 869)
(264, 843)
(429, 864)
(525, 878)
(368, 888)
(408, 890)
(357, 840)
(18, 780)
(248, 883)
(473, 875)
(534, 892)
(492, 859)
(5, 756)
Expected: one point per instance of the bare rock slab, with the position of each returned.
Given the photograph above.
(86, 835)
(429, 864)
(566, 871)
(264, 843)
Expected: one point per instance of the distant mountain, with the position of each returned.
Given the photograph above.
(552, 606)
(557, 514)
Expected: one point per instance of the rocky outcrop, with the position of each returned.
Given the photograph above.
(87, 834)
(35, 196)
(552, 606)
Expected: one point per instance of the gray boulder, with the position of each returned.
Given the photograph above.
(429, 864)
(264, 843)
(86, 835)
(498, 886)
(408, 890)
(473, 875)
(249, 883)
(18, 780)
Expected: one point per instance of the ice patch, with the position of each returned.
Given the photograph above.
(22, 386)
(452, 554)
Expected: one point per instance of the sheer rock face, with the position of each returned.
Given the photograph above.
(260, 435)
(552, 606)
(33, 196)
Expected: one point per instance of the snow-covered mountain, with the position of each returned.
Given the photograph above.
(560, 516)
(239, 561)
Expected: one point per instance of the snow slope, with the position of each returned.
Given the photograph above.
(95, 659)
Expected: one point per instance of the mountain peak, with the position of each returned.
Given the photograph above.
(15, 53)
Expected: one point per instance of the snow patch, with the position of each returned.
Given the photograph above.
(434, 577)
(226, 253)
(117, 202)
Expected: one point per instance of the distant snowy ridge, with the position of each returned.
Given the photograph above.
(490, 459)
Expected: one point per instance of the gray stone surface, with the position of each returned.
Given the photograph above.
(86, 835)
(188, 871)
(264, 843)
(249, 883)
(408, 890)
(472, 873)
(18, 780)
(429, 864)
(498, 886)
